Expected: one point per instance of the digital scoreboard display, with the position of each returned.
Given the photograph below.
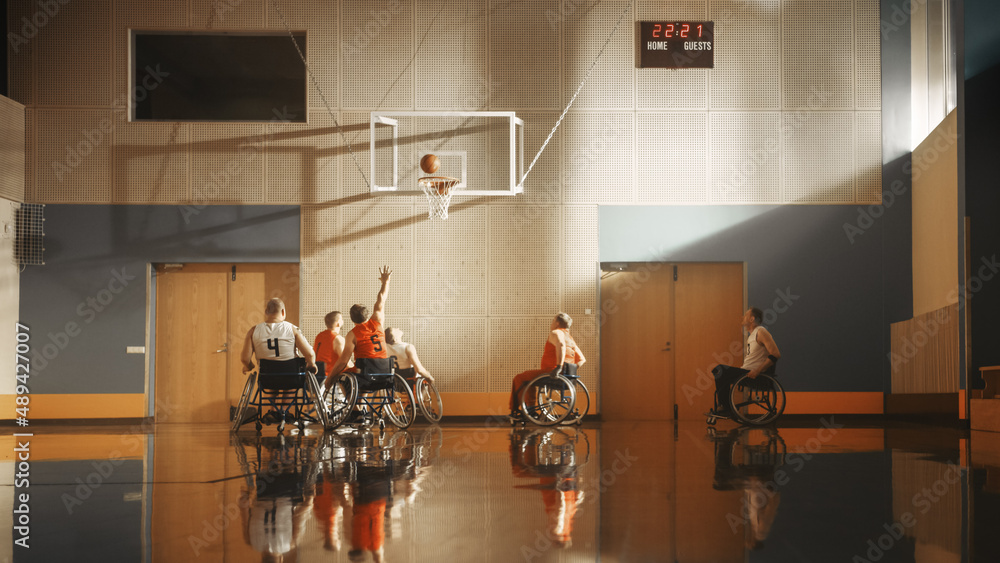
(675, 44)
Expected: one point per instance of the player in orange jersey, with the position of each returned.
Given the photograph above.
(560, 348)
(367, 339)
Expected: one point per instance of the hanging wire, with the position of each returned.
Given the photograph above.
(319, 90)
(575, 94)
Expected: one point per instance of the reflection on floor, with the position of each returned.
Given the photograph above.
(638, 491)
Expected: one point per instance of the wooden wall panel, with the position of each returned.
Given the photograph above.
(924, 353)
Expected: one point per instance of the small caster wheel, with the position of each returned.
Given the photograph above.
(281, 426)
(381, 424)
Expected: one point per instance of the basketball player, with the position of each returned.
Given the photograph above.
(276, 339)
(406, 355)
(367, 339)
(329, 343)
(761, 355)
(560, 348)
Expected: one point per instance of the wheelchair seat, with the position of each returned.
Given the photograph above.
(375, 393)
(284, 387)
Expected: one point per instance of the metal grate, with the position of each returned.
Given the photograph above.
(29, 243)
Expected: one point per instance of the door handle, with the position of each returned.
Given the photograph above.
(225, 348)
(666, 347)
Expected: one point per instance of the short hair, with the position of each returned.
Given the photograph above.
(564, 320)
(390, 334)
(758, 315)
(274, 306)
(331, 318)
(359, 313)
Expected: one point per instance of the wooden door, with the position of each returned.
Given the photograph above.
(191, 341)
(637, 363)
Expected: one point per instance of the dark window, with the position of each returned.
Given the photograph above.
(217, 77)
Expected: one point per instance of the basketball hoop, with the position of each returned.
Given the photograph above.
(438, 191)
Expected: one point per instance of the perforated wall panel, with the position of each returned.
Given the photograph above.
(747, 73)
(818, 59)
(76, 51)
(320, 20)
(12, 149)
(228, 14)
(452, 47)
(451, 263)
(376, 55)
(152, 163)
(524, 261)
(320, 263)
(658, 88)
(376, 233)
(516, 345)
(868, 157)
(227, 163)
(21, 50)
(586, 26)
(355, 180)
(579, 290)
(819, 157)
(671, 158)
(746, 157)
(146, 15)
(454, 351)
(597, 158)
(30, 155)
(302, 162)
(74, 155)
(867, 55)
(524, 55)
(542, 186)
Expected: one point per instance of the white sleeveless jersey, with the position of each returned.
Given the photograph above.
(274, 341)
(399, 351)
(756, 352)
(271, 525)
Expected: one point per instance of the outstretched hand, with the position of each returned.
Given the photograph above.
(384, 273)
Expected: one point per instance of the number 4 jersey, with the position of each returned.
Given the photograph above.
(274, 341)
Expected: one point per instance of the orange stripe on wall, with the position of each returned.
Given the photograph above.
(56, 406)
(829, 402)
(64, 447)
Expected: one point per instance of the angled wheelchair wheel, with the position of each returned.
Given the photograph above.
(429, 400)
(401, 407)
(582, 405)
(548, 399)
(339, 399)
(757, 401)
(241, 407)
(312, 388)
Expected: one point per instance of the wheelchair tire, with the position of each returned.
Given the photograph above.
(339, 399)
(757, 402)
(429, 400)
(582, 405)
(241, 407)
(552, 399)
(402, 407)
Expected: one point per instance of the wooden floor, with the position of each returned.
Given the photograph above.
(825, 490)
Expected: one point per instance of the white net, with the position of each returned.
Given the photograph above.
(438, 191)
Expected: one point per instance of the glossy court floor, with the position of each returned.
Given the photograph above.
(824, 490)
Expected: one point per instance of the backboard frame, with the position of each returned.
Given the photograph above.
(391, 119)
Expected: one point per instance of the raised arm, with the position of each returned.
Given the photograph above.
(378, 311)
(765, 339)
(246, 355)
(411, 354)
(306, 350)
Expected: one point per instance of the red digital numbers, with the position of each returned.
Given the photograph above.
(685, 28)
(656, 30)
(670, 30)
(681, 30)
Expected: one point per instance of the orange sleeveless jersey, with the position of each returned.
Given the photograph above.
(549, 355)
(369, 340)
(324, 349)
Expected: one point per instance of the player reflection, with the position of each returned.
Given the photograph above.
(746, 459)
(554, 457)
(277, 500)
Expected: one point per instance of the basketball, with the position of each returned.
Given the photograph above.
(430, 163)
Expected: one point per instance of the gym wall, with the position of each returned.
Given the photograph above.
(791, 114)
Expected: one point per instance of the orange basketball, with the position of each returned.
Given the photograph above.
(430, 163)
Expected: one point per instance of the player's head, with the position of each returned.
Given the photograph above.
(331, 319)
(393, 335)
(359, 314)
(756, 315)
(563, 320)
(275, 307)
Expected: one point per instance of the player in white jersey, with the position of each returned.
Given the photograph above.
(276, 339)
(406, 355)
(760, 357)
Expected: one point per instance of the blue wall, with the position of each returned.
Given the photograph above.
(818, 267)
(88, 302)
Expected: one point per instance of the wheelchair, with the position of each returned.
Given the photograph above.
(426, 394)
(284, 387)
(377, 393)
(552, 398)
(753, 401)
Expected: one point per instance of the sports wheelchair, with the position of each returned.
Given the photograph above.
(752, 401)
(553, 398)
(426, 394)
(373, 395)
(287, 389)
